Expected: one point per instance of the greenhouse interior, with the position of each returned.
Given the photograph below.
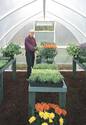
(43, 62)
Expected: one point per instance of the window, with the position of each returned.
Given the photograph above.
(44, 31)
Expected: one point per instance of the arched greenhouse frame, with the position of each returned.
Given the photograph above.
(43, 76)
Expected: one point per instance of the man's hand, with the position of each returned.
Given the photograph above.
(36, 48)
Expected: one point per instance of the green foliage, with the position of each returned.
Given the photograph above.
(77, 52)
(38, 55)
(73, 50)
(49, 60)
(46, 76)
(11, 50)
(82, 59)
(82, 54)
(45, 66)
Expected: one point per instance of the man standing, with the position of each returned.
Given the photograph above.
(30, 47)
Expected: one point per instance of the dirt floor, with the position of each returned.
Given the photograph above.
(13, 109)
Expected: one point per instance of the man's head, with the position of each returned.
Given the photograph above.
(31, 33)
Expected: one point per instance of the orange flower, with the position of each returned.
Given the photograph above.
(58, 110)
(39, 107)
(64, 112)
(49, 45)
(53, 106)
(45, 106)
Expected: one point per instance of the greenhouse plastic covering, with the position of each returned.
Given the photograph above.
(15, 14)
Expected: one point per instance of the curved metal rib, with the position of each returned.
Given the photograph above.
(18, 24)
(81, 14)
(16, 9)
(68, 23)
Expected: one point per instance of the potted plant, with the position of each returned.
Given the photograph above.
(46, 52)
(47, 114)
(73, 50)
(11, 50)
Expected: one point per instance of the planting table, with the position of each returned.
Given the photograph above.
(33, 90)
(75, 61)
(2, 69)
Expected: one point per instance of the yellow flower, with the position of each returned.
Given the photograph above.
(46, 115)
(61, 121)
(51, 115)
(50, 121)
(44, 123)
(32, 119)
(41, 114)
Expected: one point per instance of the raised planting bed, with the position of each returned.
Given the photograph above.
(46, 77)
